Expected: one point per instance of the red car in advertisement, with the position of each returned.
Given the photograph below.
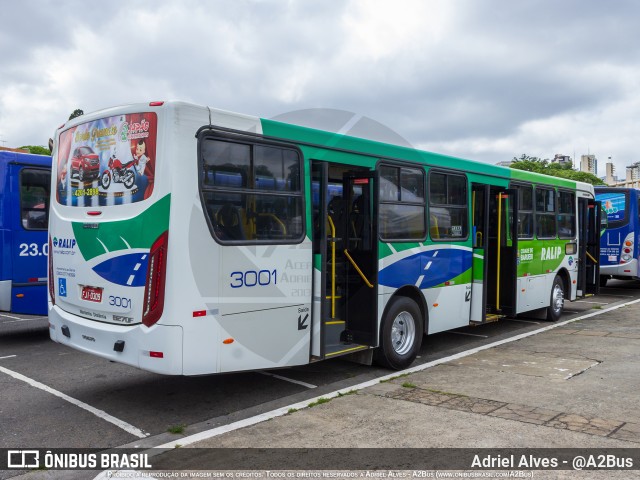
(85, 164)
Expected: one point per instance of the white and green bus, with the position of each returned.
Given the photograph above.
(199, 241)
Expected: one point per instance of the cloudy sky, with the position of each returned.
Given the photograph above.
(480, 79)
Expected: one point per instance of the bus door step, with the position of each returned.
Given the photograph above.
(340, 349)
(488, 318)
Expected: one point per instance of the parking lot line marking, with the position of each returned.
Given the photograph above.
(9, 316)
(469, 334)
(214, 432)
(616, 295)
(21, 320)
(280, 377)
(8, 356)
(599, 303)
(97, 412)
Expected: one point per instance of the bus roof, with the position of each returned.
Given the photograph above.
(336, 141)
(7, 157)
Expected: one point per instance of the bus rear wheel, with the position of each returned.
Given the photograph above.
(556, 302)
(400, 334)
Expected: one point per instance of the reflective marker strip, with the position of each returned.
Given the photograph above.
(98, 413)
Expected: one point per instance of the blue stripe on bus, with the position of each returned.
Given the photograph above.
(128, 270)
(426, 269)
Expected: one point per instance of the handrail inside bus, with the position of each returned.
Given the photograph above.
(333, 266)
(346, 253)
(591, 258)
(434, 225)
(276, 219)
(479, 236)
(499, 251)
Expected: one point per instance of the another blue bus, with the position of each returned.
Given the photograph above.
(619, 244)
(25, 183)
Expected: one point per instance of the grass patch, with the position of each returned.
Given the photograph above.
(597, 307)
(395, 378)
(320, 401)
(177, 429)
(292, 410)
(350, 392)
(409, 385)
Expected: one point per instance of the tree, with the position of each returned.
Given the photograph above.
(76, 113)
(37, 149)
(535, 164)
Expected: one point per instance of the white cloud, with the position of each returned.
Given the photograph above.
(486, 80)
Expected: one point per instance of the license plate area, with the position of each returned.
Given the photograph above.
(92, 294)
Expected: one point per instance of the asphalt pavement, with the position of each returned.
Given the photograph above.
(569, 385)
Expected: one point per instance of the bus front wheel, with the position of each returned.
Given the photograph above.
(556, 305)
(400, 334)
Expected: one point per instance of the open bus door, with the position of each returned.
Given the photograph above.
(480, 239)
(589, 219)
(346, 259)
(495, 253)
(361, 253)
(502, 250)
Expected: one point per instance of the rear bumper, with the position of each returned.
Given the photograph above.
(99, 339)
(623, 270)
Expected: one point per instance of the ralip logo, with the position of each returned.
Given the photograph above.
(64, 242)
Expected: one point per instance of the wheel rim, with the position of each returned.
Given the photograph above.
(403, 333)
(557, 298)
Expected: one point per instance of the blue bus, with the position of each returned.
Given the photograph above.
(619, 244)
(25, 183)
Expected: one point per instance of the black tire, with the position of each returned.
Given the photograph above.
(400, 334)
(556, 300)
(603, 280)
(105, 180)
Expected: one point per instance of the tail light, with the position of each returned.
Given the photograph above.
(156, 275)
(627, 249)
(52, 292)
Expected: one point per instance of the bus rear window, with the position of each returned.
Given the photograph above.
(615, 204)
(110, 161)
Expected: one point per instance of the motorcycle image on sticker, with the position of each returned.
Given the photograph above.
(119, 173)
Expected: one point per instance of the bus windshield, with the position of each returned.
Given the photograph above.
(616, 204)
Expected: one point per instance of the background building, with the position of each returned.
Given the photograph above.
(610, 176)
(633, 176)
(562, 159)
(589, 163)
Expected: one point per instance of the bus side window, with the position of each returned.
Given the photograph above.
(229, 223)
(252, 192)
(34, 198)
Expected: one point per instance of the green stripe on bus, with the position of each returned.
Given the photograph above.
(137, 232)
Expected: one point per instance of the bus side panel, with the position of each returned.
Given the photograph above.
(5, 269)
(266, 309)
(442, 272)
(29, 249)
